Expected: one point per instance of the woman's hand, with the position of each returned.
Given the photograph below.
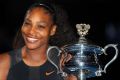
(71, 77)
(64, 59)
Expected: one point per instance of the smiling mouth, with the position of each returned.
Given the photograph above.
(31, 40)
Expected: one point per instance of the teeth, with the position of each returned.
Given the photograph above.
(31, 39)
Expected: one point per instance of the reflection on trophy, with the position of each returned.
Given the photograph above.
(84, 62)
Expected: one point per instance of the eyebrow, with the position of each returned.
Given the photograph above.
(43, 22)
(27, 19)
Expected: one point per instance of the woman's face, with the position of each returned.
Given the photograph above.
(37, 28)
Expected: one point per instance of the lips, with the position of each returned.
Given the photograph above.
(31, 39)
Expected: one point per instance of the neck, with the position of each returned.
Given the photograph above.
(36, 55)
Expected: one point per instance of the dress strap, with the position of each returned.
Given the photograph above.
(15, 56)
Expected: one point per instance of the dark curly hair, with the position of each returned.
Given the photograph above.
(64, 33)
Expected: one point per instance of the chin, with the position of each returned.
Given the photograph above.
(32, 46)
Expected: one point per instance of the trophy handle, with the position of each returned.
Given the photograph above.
(115, 56)
(53, 55)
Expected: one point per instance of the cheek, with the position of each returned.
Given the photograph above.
(24, 30)
(44, 34)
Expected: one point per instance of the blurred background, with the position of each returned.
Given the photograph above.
(102, 15)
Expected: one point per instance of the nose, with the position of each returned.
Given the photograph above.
(32, 31)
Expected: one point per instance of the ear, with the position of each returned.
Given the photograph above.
(53, 30)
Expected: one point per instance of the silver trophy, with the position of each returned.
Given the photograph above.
(83, 57)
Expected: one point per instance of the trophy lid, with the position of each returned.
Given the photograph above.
(82, 30)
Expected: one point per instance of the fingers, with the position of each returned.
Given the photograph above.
(69, 56)
(65, 59)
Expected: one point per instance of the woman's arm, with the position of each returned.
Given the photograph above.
(4, 65)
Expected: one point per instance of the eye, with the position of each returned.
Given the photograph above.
(41, 26)
(26, 23)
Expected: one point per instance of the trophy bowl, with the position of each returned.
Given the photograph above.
(81, 58)
(85, 60)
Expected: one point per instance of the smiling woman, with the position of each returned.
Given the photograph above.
(37, 28)
(44, 25)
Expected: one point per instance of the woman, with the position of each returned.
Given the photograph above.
(44, 25)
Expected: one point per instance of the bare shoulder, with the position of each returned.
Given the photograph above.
(4, 57)
(4, 65)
